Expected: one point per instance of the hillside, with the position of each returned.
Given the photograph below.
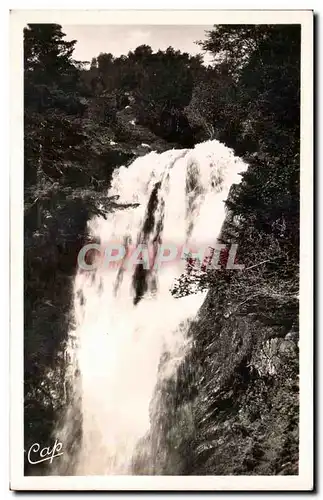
(233, 408)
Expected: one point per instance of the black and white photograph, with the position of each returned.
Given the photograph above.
(165, 173)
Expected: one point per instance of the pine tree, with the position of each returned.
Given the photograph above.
(57, 207)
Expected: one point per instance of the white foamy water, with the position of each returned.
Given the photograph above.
(117, 345)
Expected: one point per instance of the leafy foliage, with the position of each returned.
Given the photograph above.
(81, 123)
(157, 85)
(251, 103)
(59, 194)
(240, 379)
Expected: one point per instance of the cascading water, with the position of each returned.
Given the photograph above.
(126, 318)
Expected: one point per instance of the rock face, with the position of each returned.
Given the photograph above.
(233, 409)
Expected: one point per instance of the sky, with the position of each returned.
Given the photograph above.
(91, 40)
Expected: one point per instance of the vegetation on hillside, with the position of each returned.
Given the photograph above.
(233, 407)
(82, 123)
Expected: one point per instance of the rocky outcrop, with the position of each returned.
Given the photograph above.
(233, 408)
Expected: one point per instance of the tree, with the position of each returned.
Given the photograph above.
(158, 85)
(48, 57)
(251, 103)
(94, 63)
(51, 103)
(213, 101)
(58, 198)
(232, 44)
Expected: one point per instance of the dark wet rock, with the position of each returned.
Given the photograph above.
(233, 407)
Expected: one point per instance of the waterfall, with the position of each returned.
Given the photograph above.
(125, 316)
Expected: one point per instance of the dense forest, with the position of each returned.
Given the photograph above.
(81, 121)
